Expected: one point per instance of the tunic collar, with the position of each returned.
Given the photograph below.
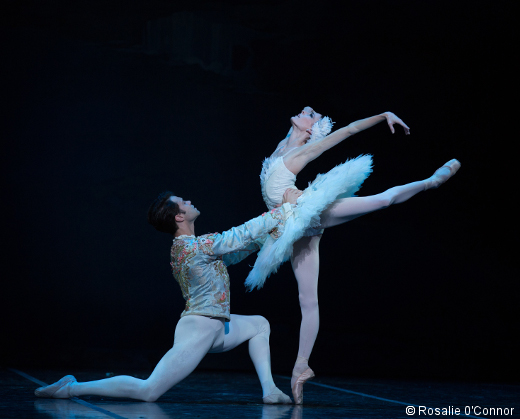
(182, 236)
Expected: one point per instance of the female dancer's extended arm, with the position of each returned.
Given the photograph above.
(297, 159)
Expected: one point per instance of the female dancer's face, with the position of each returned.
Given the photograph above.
(306, 118)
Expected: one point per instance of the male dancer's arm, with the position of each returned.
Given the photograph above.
(239, 255)
(239, 242)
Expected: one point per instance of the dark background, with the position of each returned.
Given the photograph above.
(107, 103)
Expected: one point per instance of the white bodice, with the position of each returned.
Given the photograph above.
(275, 179)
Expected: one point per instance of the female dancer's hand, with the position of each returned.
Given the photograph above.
(291, 195)
(392, 119)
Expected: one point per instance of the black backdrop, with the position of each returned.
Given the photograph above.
(107, 103)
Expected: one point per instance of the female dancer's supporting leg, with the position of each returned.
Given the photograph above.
(305, 262)
(305, 259)
(195, 336)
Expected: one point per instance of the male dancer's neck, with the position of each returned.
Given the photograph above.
(185, 230)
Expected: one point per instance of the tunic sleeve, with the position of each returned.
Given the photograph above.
(235, 257)
(242, 238)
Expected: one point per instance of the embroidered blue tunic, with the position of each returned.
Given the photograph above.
(199, 263)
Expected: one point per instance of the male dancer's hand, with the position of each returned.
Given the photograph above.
(291, 195)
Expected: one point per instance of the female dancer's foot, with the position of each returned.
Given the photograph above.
(277, 396)
(59, 390)
(300, 375)
(442, 174)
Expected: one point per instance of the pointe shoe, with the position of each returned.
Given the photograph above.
(297, 389)
(276, 396)
(437, 179)
(50, 390)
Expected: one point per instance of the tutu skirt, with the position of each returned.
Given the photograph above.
(342, 181)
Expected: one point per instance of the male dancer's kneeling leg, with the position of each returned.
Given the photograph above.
(206, 326)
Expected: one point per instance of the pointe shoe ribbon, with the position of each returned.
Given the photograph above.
(297, 389)
(50, 390)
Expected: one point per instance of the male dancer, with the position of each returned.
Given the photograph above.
(206, 325)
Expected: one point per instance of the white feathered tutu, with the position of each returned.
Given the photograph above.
(344, 179)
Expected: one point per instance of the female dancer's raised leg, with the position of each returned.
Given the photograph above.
(347, 209)
(305, 261)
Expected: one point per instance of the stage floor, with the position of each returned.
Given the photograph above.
(238, 395)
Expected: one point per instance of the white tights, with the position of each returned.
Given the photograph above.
(195, 336)
(305, 258)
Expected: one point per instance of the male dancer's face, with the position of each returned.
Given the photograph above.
(190, 213)
(306, 118)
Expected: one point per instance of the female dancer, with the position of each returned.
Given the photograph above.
(327, 202)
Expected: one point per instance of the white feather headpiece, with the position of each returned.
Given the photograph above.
(321, 129)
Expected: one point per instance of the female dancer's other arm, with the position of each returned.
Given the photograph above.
(296, 160)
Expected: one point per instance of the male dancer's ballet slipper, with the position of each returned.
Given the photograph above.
(437, 179)
(297, 390)
(276, 396)
(50, 390)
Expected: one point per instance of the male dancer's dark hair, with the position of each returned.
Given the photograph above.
(162, 212)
